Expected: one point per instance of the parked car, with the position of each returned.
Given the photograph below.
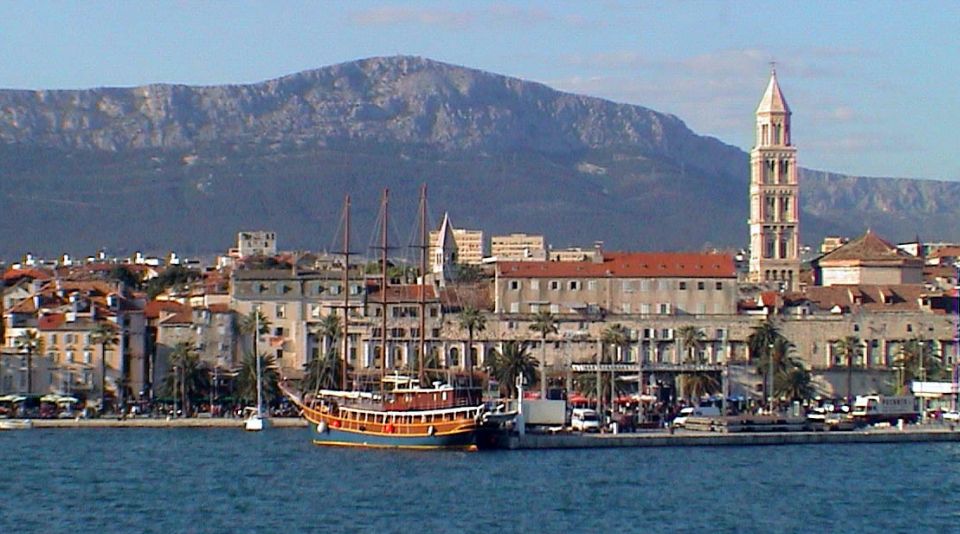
(951, 416)
(585, 420)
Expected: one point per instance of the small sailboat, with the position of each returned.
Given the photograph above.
(255, 421)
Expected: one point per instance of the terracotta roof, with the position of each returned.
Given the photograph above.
(219, 308)
(184, 316)
(154, 307)
(404, 293)
(479, 296)
(874, 298)
(627, 265)
(945, 252)
(868, 248)
(51, 321)
(16, 274)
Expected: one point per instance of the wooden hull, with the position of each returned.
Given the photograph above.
(454, 428)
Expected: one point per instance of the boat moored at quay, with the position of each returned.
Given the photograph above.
(407, 416)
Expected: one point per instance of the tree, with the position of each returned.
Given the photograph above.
(105, 335)
(545, 324)
(850, 348)
(173, 276)
(329, 329)
(31, 343)
(613, 337)
(189, 377)
(794, 383)
(692, 339)
(511, 362)
(762, 341)
(247, 378)
(472, 321)
(918, 360)
(247, 325)
(121, 273)
(323, 372)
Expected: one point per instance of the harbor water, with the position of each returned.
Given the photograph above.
(225, 480)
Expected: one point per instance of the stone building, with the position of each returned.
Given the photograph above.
(518, 247)
(868, 260)
(774, 195)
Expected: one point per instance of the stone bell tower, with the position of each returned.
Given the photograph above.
(774, 195)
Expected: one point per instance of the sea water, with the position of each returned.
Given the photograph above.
(227, 480)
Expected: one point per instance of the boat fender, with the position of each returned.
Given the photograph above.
(336, 424)
(322, 427)
(389, 428)
(431, 430)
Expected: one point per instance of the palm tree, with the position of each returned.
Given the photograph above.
(329, 328)
(248, 325)
(511, 362)
(692, 339)
(472, 321)
(761, 343)
(794, 383)
(105, 335)
(918, 359)
(613, 337)
(850, 348)
(188, 374)
(545, 324)
(323, 373)
(247, 378)
(30, 342)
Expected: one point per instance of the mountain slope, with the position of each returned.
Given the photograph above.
(175, 167)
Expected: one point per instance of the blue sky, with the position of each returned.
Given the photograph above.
(873, 85)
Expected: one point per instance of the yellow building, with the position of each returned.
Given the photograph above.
(518, 247)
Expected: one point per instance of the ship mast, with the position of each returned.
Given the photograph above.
(346, 292)
(383, 290)
(421, 296)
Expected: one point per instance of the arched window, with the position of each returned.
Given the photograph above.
(453, 356)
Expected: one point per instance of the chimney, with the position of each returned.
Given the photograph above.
(598, 252)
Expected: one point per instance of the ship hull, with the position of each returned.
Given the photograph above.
(462, 440)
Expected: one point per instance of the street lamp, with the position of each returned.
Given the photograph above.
(770, 372)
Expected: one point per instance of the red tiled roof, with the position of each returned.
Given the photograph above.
(51, 321)
(875, 298)
(404, 293)
(945, 252)
(154, 307)
(16, 274)
(868, 248)
(181, 317)
(627, 265)
(219, 308)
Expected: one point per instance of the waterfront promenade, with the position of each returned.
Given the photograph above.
(160, 422)
(658, 438)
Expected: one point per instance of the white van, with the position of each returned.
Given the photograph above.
(695, 411)
(585, 420)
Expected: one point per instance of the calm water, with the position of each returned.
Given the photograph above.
(225, 480)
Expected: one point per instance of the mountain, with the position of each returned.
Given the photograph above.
(164, 167)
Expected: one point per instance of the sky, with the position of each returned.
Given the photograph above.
(873, 85)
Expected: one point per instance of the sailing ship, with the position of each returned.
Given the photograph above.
(255, 421)
(401, 411)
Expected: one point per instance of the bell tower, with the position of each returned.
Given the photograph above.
(774, 195)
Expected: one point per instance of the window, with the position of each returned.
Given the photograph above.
(280, 311)
(592, 285)
(535, 284)
(534, 308)
(87, 356)
(515, 285)
(554, 308)
(701, 308)
(436, 332)
(645, 309)
(554, 285)
(719, 286)
(663, 309)
(314, 311)
(626, 307)
(682, 286)
(720, 334)
(53, 339)
(69, 356)
(514, 307)
(644, 285)
(433, 311)
(574, 285)
(334, 290)
(701, 286)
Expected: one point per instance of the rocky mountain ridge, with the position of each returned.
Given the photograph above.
(171, 166)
